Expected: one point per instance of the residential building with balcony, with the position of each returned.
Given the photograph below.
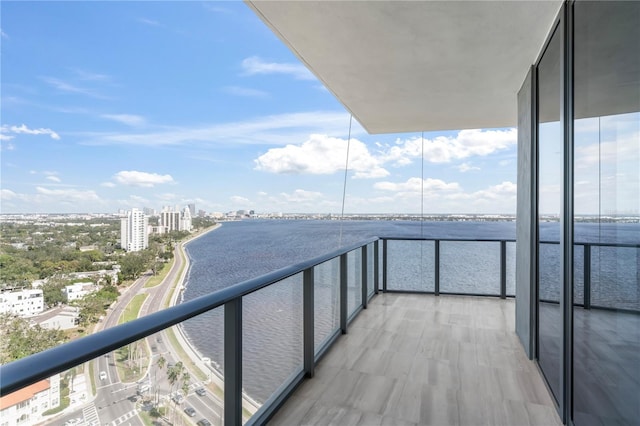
(551, 339)
(134, 233)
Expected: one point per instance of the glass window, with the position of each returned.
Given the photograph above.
(550, 166)
(606, 364)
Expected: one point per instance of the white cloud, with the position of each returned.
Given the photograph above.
(136, 178)
(278, 129)
(237, 199)
(68, 195)
(444, 197)
(415, 185)
(138, 199)
(108, 184)
(3, 34)
(465, 167)
(301, 196)
(148, 21)
(90, 76)
(64, 86)
(262, 194)
(166, 197)
(319, 155)
(255, 65)
(54, 178)
(5, 137)
(128, 119)
(23, 129)
(444, 149)
(245, 91)
(7, 194)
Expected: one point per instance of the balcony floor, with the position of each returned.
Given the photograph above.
(420, 359)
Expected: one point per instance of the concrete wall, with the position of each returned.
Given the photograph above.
(526, 219)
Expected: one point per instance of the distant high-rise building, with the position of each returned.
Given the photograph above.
(173, 220)
(192, 209)
(134, 235)
(185, 219)
(148, 211)
(202, 213)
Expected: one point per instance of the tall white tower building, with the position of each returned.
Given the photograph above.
(134, 235)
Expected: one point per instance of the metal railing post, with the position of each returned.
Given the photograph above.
(587, 276)
(233, 362)
(503, 269)
(376, 266)
(385, 251)
(343, 293)
(365, 289)
(308, 321)
(436, 288)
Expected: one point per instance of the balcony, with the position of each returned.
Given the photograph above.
(347, 338)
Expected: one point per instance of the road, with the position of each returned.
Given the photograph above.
(116, 403)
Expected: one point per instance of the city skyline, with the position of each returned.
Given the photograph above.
(118, 105)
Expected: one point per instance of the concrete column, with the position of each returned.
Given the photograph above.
(526, 222)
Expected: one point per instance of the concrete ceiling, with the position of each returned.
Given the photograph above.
(406, 66)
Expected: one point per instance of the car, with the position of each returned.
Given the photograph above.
(178, 398)
(201, 391)
(133, 398)
(190, 411)
(203, 422)
(103, 375)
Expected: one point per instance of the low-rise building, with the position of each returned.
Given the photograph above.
(24, 303)
(62, 318)
(77, 291)
(25, 407)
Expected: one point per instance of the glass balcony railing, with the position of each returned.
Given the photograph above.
(450, 266)
(265, 335)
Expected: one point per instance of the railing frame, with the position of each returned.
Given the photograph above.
(26, 371)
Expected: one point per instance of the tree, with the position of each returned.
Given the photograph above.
(20, 339)
(52, 293)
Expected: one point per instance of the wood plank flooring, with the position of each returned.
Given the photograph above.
(420, 359)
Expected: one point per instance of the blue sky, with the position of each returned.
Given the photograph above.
(114, 105)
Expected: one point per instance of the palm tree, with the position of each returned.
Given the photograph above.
(160, 363)
(186, 377)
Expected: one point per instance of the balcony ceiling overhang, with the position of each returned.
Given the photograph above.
(405, 66)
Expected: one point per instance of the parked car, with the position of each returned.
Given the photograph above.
(190, 411)
(103, 375)
(201, 391)
(178, 398)
(203, 422)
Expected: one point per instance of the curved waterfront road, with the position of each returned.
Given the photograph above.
(112, 404)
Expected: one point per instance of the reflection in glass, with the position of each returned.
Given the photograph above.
(354, 281)
(271, 337)
(550, 154)
(326, 300)
(607, 190)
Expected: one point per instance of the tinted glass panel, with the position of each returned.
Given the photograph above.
(606, 381)
(550, 154)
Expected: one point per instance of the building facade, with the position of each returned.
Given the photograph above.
(23, 303)
(134, 234)
(25, 407)
(77, 291)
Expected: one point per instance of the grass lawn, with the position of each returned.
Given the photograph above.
(132, 310)
(157, 279)
(132, 360)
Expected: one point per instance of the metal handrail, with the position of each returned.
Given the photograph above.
(26, 371)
